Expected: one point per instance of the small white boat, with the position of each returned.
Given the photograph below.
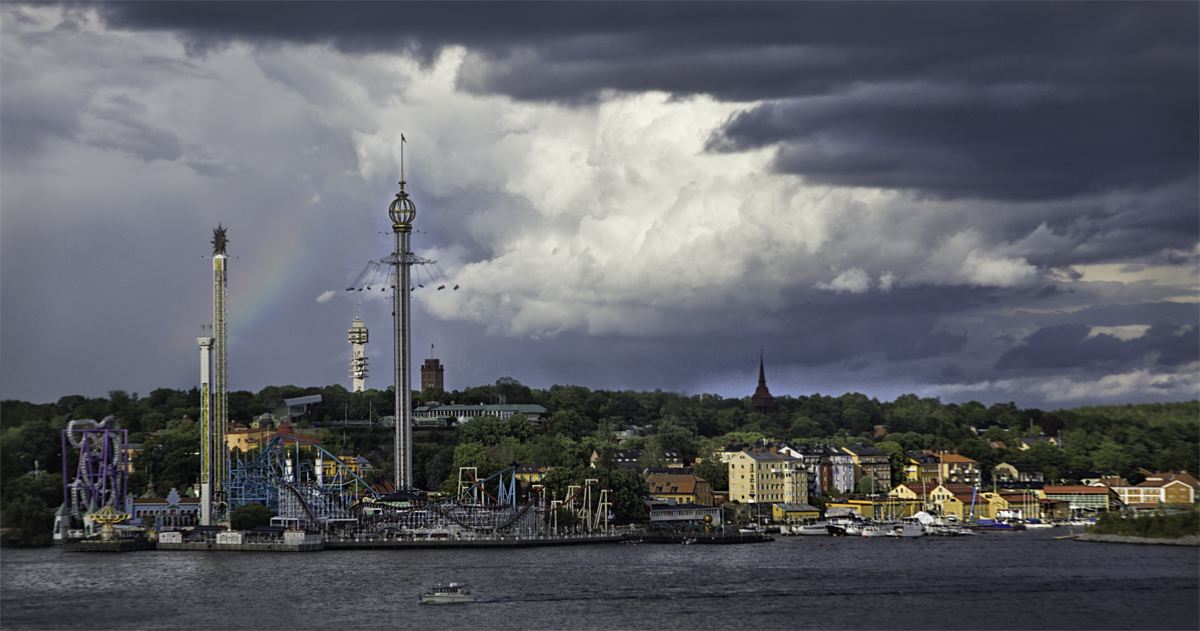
(817, 528)
(447, 594)
(879, 530)
(910, 528)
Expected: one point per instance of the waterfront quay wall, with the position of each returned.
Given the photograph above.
(90, 545)
(242, 547)
(498, 542)
(240, 542)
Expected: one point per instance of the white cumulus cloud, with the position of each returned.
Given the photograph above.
(852, 280)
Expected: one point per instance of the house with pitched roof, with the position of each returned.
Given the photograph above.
(1017, 472)
(531, 472)
(685, 488)
(958, 469)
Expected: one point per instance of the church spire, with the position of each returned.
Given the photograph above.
(762, 402)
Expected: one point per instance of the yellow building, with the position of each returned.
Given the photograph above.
(921, 468)
(930, 493)
(255, 438)
(247, 439)
(761, 475)
(684, 488)
(783, 513)
(349, 461)
(961, 506)
(531, 472)
(881, 508)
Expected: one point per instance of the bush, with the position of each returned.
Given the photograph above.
(32, 520)
(1155, 526)
(250, 516)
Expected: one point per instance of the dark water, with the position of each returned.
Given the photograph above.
(992, 581)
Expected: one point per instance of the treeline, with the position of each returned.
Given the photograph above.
(579, 421)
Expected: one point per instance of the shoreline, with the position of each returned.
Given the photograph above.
(1189, 540)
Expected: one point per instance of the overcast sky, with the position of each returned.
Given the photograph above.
(995, 202)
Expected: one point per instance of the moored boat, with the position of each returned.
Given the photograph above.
(879, 530)
(448, 594)
(910, 527)
(811, 529)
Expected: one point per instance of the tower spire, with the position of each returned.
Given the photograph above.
(762, 401)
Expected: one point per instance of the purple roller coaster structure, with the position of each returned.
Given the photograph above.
(102, 475)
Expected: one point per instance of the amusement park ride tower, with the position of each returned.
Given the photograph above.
(214, 395)
(402, 211)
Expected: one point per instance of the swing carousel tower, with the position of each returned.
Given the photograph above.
(402, 211)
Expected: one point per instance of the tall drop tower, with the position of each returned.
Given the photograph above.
(220, 377)
(206, 443)
(402, 211)
(358, 358)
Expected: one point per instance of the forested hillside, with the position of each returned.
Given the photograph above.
(1109, 439)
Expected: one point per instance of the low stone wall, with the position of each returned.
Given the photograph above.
(242, 547)
(1191, 540)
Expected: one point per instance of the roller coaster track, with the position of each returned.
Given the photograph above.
(326, 496)
(303, 504)
(574, 495)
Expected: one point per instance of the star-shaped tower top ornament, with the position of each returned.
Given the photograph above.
(219, 240)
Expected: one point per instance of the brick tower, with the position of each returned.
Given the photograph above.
(431, 375)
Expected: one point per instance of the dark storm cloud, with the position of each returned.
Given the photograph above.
(978, 145)
(1176, 313)
(1014, 101)
(1069, 346)
(1079, 121)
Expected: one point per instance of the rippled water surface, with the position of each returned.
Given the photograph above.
(1022, 580)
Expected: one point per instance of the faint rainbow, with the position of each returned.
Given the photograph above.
(259, 281)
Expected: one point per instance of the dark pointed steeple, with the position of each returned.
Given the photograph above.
(762, 401)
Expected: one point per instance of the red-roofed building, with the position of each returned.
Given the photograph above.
(290, 437)
(1163, 488)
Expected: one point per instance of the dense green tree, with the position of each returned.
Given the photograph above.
(250, 516)
(32, 519)
(172, 459)
(1112, 458)
(715, 472)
